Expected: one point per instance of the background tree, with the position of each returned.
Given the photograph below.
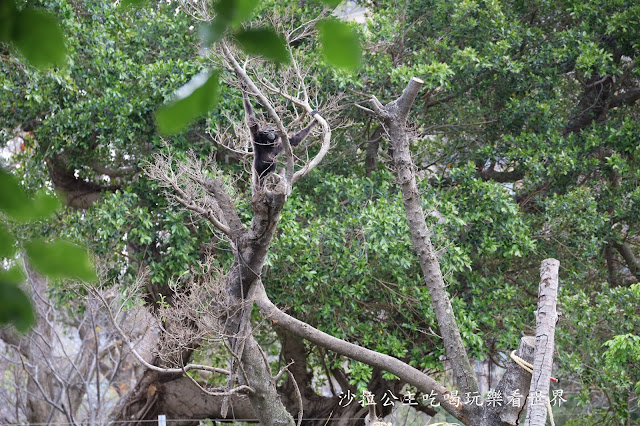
(72, 367)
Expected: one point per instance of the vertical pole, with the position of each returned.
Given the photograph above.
(162, 420)
(546, 318)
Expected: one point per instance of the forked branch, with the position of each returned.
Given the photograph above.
(393, 117)
(162, 370)
(246, 81)
(189, 192)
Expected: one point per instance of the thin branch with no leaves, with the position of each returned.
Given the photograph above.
(127, 341)
(183, 190)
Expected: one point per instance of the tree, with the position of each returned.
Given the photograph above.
(506, 103)
(64, 368)
(525, 172)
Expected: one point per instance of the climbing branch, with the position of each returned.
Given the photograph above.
(326, 133)
(247, 82)
(393, 117)
(405, 372)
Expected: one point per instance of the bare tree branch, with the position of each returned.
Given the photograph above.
(393, 117)
(631, 260)
(162, 169)
(162, 370)
(546, 318)
(326, 130)
(66, 363)
(215, 188)
(298, 395)
(404, 371)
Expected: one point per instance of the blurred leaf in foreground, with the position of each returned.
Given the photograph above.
(264, 42)
(60, 259)
(193, 100)
(340, 44)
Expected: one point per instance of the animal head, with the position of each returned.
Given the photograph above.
(271, 135)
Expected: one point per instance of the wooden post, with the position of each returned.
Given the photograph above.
(546, 318)
(513, 389)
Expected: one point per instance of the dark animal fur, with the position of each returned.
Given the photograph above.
(267, 142)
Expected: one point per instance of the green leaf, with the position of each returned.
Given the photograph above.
(244, 10)
(225, 9)
(7, 19)
(234, 12)
(264, 42)
(14, 276)
(228, 13)
(132, 3)
(15, 203)
(212, 32)
(340, 44)
(193, 100)
(44, 205)
(60, 259)
(332, 3)
(13, 200)
(15, 306)
(39, 38)
(7, 242)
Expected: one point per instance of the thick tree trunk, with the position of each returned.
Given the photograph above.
(516, 380)
(371, 156)
(250, 248)
(77, 192)
(265, 399)
(513, 388)
(182, 399)
(592, 104)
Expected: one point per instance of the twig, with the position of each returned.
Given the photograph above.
(283, 370)
(125, 338)
(298, 395)
(244, 77)
(367, 110)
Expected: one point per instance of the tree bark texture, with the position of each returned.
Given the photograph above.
(265, 399)
(182, 399)
(250, 247)
(394, 117)
(546, 318)
(632, 261)
(251, 250)
(515, 379)
(371, 153)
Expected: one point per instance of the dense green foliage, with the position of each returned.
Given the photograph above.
(22, 216)
(526, 140)
(541, 98)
